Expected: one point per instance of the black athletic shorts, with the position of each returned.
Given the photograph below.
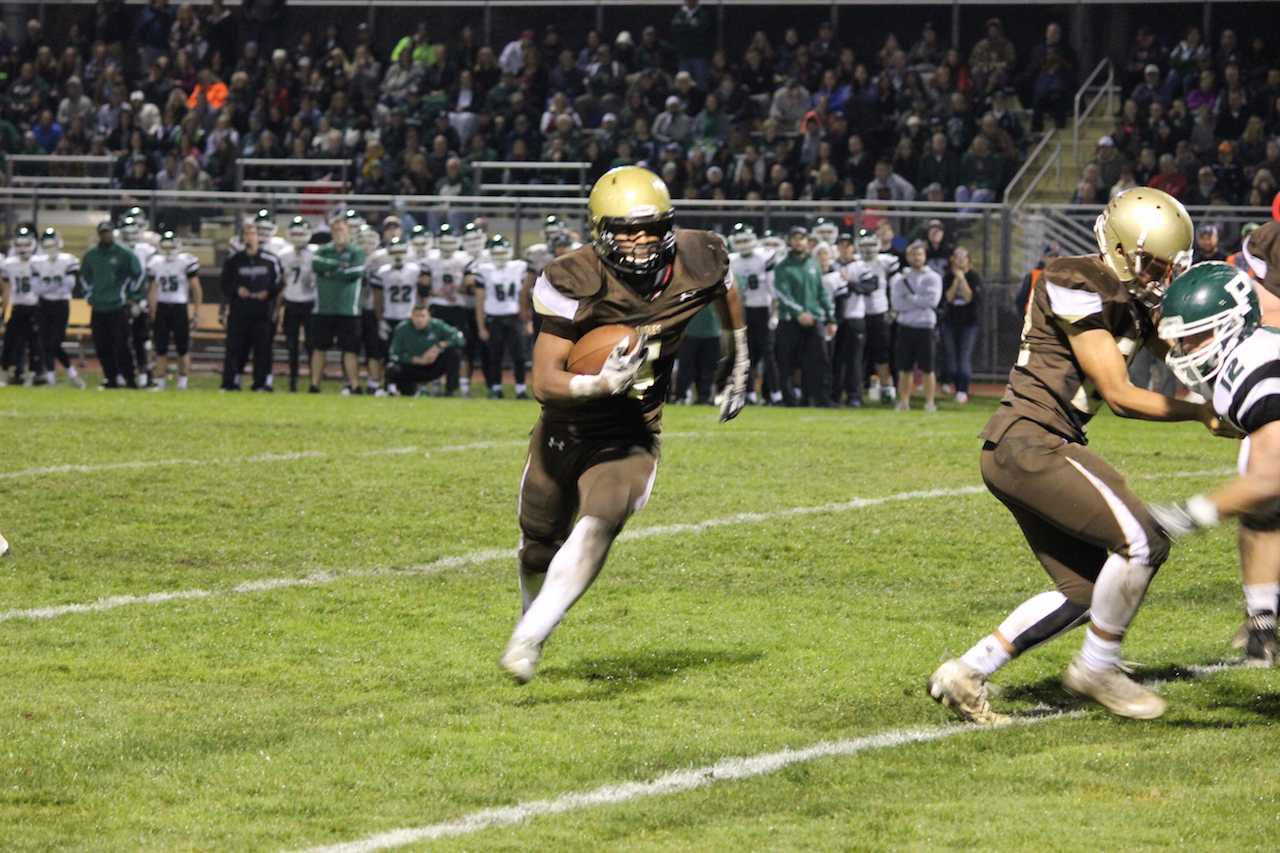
(914, 348)
(329, 331)
(374, 346)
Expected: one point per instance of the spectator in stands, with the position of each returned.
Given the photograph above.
(1229, 174)
(981, 173)
(790, 104)
(693, 38)
(673, 124)
(992, 59)
(1205, 189)
(47, 131)
(889, 186)
(1207, 246)
(1170, 179)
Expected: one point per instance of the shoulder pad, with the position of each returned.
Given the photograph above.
(576, 275)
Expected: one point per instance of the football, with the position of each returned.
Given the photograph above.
(591, 350)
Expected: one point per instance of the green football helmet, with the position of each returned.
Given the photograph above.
(1206, 312)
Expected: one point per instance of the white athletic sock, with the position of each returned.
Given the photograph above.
(775, 397)
(49, 377)
(1261, 598)
(160, 383)
(71, 371)
(1118, 593)
(1099, 654)
(572, 570)
(520, 389)
(465, 385)
(373, 384)
(987, 655)
(182, 382)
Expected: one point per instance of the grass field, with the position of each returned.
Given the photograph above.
(315, 670)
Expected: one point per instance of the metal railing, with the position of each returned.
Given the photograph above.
(61, 162)
(1079, 116)
(1054, 159)
(506, 186)
(343, 163)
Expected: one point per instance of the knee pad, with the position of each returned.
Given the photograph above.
(536, 554)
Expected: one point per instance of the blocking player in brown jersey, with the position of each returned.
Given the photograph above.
(1086, 319)
(593, 455)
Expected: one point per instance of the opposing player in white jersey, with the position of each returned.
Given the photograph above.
(823, 230)
(851, 313)
(1211, 318)
(299, 295)
(145, 234)
(399, 284)
(58, 272)
(371, 345)
(268, 236)
(873, 270)
(173, 301)
(475, 240)
(752, 268)
(501, 283)
(420, 244)
(131, 234)
(452, 282)
(20, 295)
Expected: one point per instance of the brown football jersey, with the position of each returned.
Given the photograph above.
(1047, 385)
(577, 292)
(1262, 251)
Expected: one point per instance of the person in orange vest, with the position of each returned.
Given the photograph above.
(1029, 281)
(213, 89)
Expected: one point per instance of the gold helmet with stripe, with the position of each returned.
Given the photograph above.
(1145, 237)
(631, 200)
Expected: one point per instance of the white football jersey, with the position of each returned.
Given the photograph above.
(882, 269)
(143, 250)
(376, 259)
(753, 275)
(502, 286)
(399, 289)
(58, 274)
(537, 257)
(447, 275)
(299, 277)
(172, 274)
(24, 281)
(1246, 392)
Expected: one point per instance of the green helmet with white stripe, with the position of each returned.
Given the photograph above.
(1206, 312)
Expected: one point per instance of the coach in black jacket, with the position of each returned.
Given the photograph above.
(251, 281)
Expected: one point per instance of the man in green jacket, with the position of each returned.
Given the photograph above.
(804, 312)
(423, 349)
(339, 269)
(111, 273)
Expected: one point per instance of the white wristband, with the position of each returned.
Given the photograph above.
(586, 385)
(1202, 511)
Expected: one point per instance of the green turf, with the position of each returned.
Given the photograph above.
(302, 716)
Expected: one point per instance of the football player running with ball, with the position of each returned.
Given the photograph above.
(1085, 321)
(1220, 349)
(593, 455)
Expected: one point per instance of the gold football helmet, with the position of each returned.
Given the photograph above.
(1145, 237)
(631, 200)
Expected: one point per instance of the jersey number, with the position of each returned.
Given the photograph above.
(503, 292)
(169, 283)
(400, 293)
(24, 284)
(1231, 373)
(644, 377)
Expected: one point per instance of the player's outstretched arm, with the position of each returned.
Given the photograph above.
(1250, 492)
(552, 383)
(1101, 361)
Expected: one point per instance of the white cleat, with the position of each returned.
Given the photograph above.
(521, 659)
(1114, 690)
(4, 546)
(962, 688)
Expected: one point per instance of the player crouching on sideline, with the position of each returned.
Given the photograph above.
(422, 350)
(594, 450)
(1219, 349)
(173, 303)
(1085, 321)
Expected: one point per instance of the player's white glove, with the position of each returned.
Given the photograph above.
(617, 374)
(384, 329)
(136, 310)
(733, 395)
(1182, 519)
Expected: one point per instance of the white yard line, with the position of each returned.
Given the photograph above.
(726, 770)
(488, 555)
(473, 558)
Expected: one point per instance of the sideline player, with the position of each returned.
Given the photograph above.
(173, 302)
(501, 281)
(1220, 349)
(58, 271)
(399, 284)
(298, 296)
(593, 455)
(1096, 539)
(20, 294)
(752, 267)
(133, 234)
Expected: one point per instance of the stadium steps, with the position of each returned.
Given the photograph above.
(1059, 187)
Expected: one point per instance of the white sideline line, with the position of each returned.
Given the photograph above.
(725, 770)
(459, 561)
